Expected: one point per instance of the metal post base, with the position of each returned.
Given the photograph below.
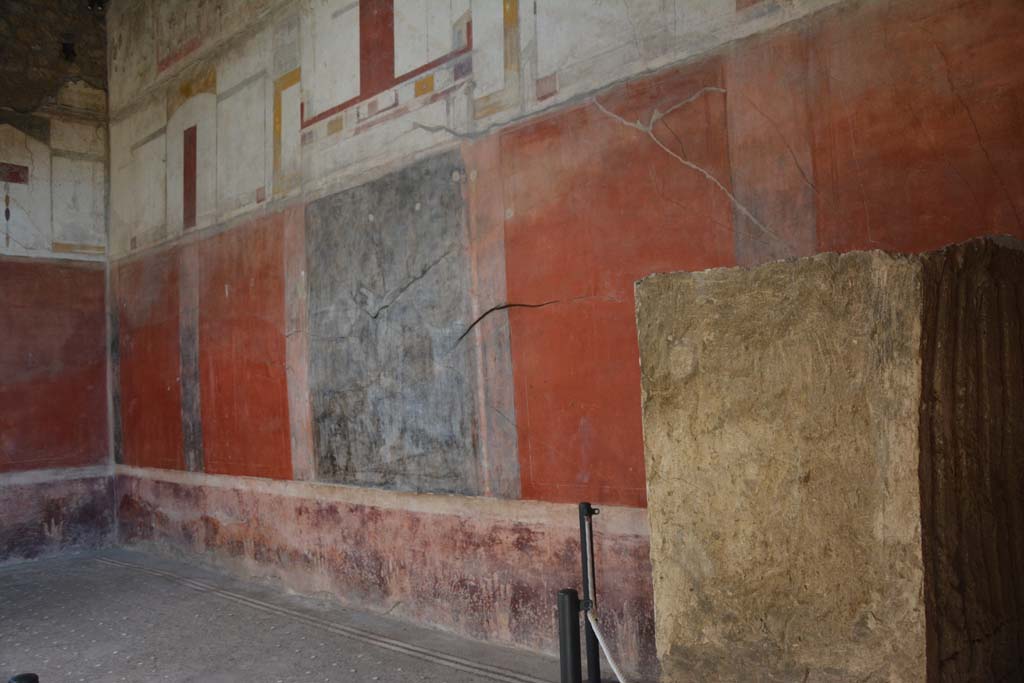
(569, 636)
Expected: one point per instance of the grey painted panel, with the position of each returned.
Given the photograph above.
(393, 394)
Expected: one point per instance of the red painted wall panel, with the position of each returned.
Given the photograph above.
(593, 204)
(770, 147)
(149, 369)
(243, 386)
(918, 134)
(53, 407)
(863, 127)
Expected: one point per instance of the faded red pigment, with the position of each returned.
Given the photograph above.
(487, 577)
(52, 364)
(146, 292)
(13, 173)
(593, 205)
(862, 127)
(243, 385)
(917, 128)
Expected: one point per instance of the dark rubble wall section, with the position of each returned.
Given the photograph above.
(32, 63)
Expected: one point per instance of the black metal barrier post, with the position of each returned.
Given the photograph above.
(570, 607)
(569, 636)
(587, 511)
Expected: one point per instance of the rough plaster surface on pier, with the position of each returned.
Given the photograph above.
(781, 430)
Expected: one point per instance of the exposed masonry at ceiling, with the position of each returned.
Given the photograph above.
(53, 133)
(45, 44)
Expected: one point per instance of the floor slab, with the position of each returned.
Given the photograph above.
(120, 615)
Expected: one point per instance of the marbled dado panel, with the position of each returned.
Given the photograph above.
(483, 569)
(43, 518)
(392, 385)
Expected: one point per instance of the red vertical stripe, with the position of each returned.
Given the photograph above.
(189, 186)
(376, 46)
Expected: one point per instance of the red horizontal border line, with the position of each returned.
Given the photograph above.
(327, 113)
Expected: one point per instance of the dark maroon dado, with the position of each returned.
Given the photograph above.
(481, 568)
(45, 517)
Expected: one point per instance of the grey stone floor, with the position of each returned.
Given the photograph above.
(125, 616)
